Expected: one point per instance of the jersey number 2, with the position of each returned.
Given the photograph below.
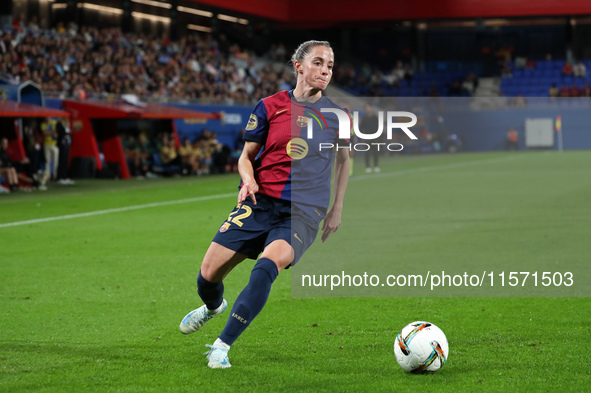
(236, 219)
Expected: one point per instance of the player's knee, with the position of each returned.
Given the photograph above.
(207, 271)
(283, 262)
(210, 269)
(280, 252)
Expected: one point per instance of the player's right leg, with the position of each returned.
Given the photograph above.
(277, 255)
(217, 263)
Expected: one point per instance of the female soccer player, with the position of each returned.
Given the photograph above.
(285, 167)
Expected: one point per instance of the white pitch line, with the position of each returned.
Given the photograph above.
(462, 164)
(117, 210)
(209, 197)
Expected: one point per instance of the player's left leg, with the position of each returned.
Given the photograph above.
(276, 256)
(217, 263)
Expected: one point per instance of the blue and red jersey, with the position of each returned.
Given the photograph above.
(292, 164)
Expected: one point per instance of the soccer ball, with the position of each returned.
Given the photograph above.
(421, 347)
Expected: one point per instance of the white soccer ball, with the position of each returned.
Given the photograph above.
(421, 347)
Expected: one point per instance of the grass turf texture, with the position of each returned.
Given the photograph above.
(93, 303)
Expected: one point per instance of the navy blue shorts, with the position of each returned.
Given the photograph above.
(250, 228)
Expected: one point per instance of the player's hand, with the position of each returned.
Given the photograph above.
(248, 188)
(331, 223)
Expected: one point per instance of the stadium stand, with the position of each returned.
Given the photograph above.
(89, 62)
(536, 80)
(229, 69)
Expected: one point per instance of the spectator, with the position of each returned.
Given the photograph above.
(574, 90)
(33, 143)
(168, 153)
(7, 171)
(64, 141)
(580, 70)
(470, 83)
(24, 170)
(399, 71)
(520, 62)
(145, 151)
(132, 156)
(204, 155)
(553, 92)
(50, 149)
(18, 24)
(567, 69)
(512, 141)
(220, 154)
(564, 91)
(189, 157)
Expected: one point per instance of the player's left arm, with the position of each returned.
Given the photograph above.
(332, 221)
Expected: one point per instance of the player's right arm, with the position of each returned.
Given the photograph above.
(246, 170)
(255, 135)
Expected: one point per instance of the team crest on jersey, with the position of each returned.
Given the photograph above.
(252, 122)
(225, 227)
(302, 121)
(297, 148)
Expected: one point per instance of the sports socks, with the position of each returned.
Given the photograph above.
(220, 343)
(251, 300)
(211, 293)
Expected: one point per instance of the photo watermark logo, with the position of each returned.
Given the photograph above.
(392, 123)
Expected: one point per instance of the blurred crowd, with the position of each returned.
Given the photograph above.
(152, 157)
(80, 62)
(402, 79)
(368, 75)
(547, 77)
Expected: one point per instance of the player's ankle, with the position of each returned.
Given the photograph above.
(220, 343)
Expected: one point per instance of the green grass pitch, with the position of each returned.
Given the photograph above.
(91, 298)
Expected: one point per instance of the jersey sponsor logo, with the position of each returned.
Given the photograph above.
(297, 148)
(225, 227)
(252, 122)
(281, 111)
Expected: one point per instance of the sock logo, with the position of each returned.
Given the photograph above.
(239, 318)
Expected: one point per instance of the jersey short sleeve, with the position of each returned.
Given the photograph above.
(257, 128)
